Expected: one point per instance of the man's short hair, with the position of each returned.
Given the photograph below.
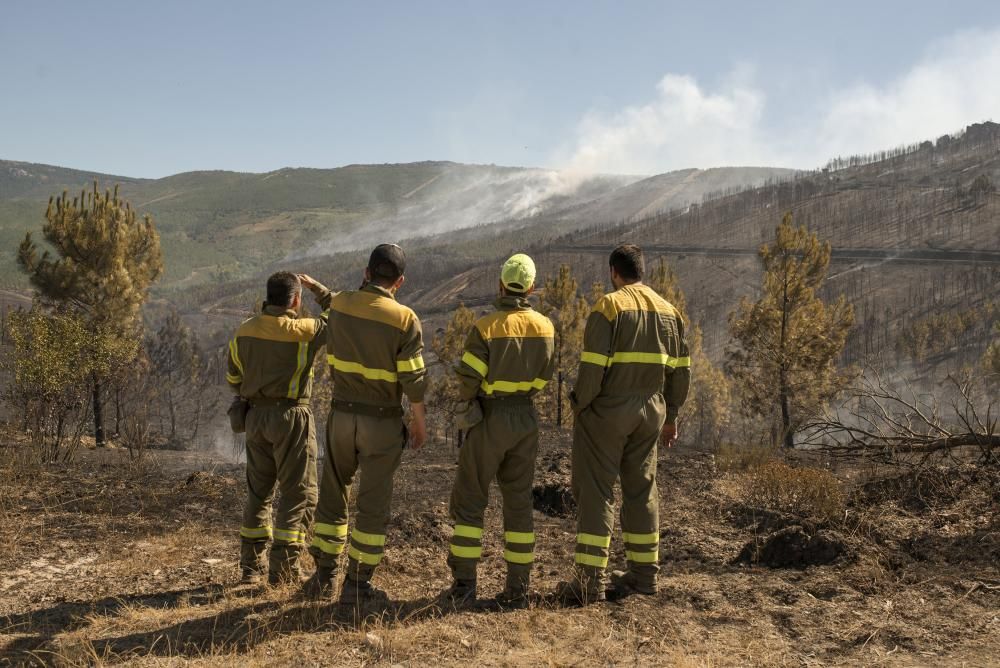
(627, 261)
(282, 288)
(386, 264)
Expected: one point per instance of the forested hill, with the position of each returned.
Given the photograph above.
(933, 197)
(221, 226)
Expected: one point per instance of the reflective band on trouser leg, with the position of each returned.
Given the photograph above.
(330, 538)
(467, 542)
(290, 535)
(255, 533)
(520, 547)
(366, 548)
(642, 548)
(592, 550)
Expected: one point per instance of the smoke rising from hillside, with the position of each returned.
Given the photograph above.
(687, 125)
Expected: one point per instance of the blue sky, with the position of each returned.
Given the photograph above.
(155, 88)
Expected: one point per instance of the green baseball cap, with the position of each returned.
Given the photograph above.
(518, 273)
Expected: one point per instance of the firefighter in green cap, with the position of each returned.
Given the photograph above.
(508, 358)
(633, 380)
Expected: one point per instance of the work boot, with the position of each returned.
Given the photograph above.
(250, 576)
(625, 583)
(512, 598)
(580, 591)
(460, 593)
(284, 566)
(361, 593)
(320, 585)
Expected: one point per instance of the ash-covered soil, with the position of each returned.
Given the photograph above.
(110, 562)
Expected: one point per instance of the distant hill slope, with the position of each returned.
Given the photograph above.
(218, 225)
(932, 198)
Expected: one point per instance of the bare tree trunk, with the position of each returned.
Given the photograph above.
(98, 414)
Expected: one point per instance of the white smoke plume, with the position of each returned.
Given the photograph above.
(687, 125)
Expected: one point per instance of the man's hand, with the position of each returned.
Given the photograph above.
(669, 434)
(308, 281)
(418, 427)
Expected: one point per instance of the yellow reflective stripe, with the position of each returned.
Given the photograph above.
(354, 367)
(338, 530)
(650, 358)
(592, 539)
(364, 557)
(510, 386)
(591, 560)
(234, 353)
(328, 546)
(595, 358)
(480, 367)
(519, 536)
(412, 364)
(641, 538)
(290, 535)
(465, 552)
(466, 531)
(255, 532)
(234, 380)
(377, 540)
(303, 357)
(518, 557)
(642, 557)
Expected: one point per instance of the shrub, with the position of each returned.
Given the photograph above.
(801, 491)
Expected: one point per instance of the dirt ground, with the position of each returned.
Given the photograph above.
(107, 562)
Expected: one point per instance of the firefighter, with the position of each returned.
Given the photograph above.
(508, 358)
(270, 369)
(374, 350)
(633, 379)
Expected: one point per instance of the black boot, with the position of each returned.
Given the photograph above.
(460, 593)
(360, 593)
(320, 585)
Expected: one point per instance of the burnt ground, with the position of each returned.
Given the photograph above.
(111, 562)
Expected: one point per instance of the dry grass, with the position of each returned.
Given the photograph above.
(802, 490)
(140, 568)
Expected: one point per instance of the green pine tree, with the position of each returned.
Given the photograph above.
(787, 342)
(105, 260)
(561, 302)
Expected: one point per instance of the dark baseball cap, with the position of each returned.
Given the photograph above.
(387, 262)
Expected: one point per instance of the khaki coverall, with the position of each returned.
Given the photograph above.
(633, 377)
(270, 365)
(374, 350)
(508, 359)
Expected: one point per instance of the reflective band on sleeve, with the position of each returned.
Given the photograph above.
(521, 537)
(255, 532)
(465, 552)
(509, 386)
(412, 364)
(328, 546)
(479, 366)
(234, 380)
(642, 557)
(234, 353)
(466, 531)
(591, 539)
(303, 358)
(364, 557)
(591, 560)
(290, 535)
(338, 530)
(518, 557)
(595, 358)
(641, 538)
(374, 539)
(354, 367)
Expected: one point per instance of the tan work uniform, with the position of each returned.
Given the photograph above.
(270, 365)
(374, 350)
(634, 375)
(508, 359)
